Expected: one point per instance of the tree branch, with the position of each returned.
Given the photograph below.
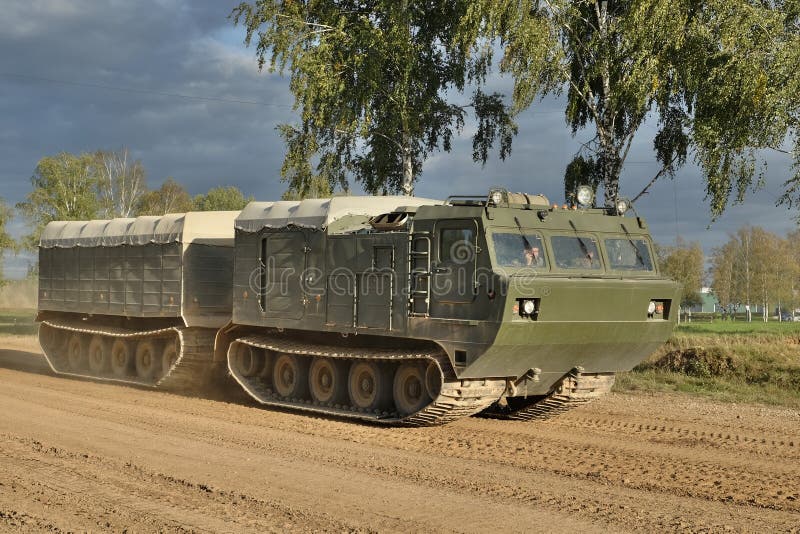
(658, 175)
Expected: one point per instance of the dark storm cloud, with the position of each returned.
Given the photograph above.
(129, 55)
(128, 58)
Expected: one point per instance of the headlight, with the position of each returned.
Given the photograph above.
(496, 197)
(528, 306)
(585, 196)
(651, 308)
(623, 204)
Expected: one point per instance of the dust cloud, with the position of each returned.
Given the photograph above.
(19, 294)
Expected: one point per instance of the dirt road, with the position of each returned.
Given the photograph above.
(78, 455)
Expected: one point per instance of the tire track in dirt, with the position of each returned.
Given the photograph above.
(132, 497)
(694, 472)
(318, 489)
(606, 466)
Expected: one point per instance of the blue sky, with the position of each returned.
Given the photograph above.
(82, 75)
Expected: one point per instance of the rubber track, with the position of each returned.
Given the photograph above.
(192, 368)
(575, 389)
(457, 398)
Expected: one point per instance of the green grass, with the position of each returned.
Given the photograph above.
(17, 322)
(739, 327)
(734, 362)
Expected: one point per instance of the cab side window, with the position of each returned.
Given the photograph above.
(456, 244)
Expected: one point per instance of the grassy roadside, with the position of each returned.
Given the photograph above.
(17, 322)
(733, 362)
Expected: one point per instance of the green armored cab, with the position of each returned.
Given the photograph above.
(412, 311)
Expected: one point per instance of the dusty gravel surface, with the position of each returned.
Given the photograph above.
(83, 456)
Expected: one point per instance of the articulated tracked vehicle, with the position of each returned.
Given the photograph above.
(397, 310)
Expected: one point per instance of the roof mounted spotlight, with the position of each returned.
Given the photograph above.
(496, 197)
(585, 196)
(622, 205)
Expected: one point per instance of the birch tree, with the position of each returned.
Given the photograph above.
(684, 263)
(64, 189)
(121, 182)
(379, 86)
(171, 197)
(718, 77)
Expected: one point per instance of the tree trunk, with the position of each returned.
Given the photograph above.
(408, 170)
(609, 158)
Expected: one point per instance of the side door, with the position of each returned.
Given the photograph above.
(455, 255)
(283, 262)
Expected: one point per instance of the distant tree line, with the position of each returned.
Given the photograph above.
(102, 185)
(754, 268)
(757, 267)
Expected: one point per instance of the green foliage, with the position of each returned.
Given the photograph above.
(64, 189)
(171, 197)
(316, 187)
(720, 77)
(6, 242)
(372, 83)
(6, 213)
(684, 263)
(228, 198)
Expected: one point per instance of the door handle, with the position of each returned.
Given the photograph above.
(441, 270)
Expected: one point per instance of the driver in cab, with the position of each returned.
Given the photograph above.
(533, 257)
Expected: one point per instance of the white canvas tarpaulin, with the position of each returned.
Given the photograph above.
(318, 214)
(193, 227)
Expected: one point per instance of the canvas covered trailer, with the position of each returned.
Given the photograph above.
(177, 266)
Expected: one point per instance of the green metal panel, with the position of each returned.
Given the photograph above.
(133, 281)
(374, 306)
(134, 274)
(284, 264)
(102, 286)
(116, 276)
(341, 283)
(208, 274)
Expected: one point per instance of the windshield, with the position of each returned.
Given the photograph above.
(514, 249)
(629, 254)
(578, 252)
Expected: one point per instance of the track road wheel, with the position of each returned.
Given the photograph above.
(169, 355)
(369, 386)
(76, 352)
(433, 380)
(99, 357)
(327, 380)
(121, 357)
(290, 376)
(266, 370)
(248, 361)
(410, 391)
(147, 361)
